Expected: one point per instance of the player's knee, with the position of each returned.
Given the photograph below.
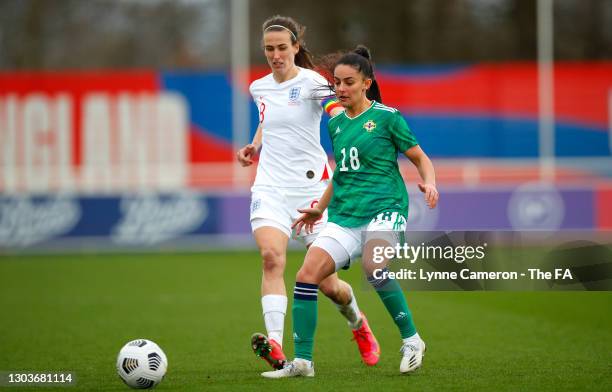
(273, 260)
(306, 274)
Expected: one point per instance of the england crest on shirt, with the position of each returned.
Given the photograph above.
(294, 95)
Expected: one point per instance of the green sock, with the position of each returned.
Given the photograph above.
(304, 318)
(392, 296)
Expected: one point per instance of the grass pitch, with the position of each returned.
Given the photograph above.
(73, 313)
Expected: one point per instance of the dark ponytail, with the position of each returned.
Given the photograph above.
(361, 59)
(303, 58)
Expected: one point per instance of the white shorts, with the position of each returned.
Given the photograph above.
(277, 207)
(344, 244)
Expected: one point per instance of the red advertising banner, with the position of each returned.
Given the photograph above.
(91, 132)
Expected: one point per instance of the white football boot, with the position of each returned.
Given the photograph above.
(296, 368)
(412, 355)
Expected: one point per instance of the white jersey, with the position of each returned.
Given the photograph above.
(290, 116)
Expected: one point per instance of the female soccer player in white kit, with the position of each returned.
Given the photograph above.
(292, 174)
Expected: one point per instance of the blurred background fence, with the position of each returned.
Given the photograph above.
(119, 120)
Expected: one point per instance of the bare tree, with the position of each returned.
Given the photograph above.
(168, 34)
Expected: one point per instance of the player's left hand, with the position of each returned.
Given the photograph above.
(307, 220)
(431, 194)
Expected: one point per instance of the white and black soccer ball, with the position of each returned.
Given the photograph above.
(141, 364)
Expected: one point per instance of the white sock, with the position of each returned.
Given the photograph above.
(412, 340)
(274, 309)
(351, 311)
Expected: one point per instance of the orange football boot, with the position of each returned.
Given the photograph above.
(269, 350)
(366, 342)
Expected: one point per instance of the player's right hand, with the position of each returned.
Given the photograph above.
(245, 154)
(307, 220)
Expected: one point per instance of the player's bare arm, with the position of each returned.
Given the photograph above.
(246, 154)
(311, 215)
(426, 170)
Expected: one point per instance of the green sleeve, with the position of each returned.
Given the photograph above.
(401, 134)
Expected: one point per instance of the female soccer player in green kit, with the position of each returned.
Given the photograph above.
(367, 194)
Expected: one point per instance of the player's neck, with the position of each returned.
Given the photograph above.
(358, 108)
(290, 74)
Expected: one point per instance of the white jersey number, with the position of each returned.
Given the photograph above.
(353, 159)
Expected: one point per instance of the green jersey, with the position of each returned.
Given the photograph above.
(367, 180)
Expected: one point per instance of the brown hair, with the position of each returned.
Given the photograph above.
(359, 58)
(303, 58)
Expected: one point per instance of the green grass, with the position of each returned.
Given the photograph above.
(73, 313)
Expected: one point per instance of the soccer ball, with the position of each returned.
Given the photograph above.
(141, 364)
